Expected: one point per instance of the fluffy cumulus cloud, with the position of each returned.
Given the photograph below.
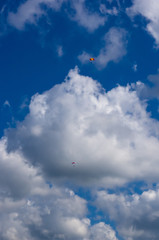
(29, 206)
(101, 231)
(137, 216)
(57, 214)
(15, 173)
(104, 133)
(149, 10)
(32, 210)
(114, 48)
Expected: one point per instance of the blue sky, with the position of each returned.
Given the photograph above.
(56, 107)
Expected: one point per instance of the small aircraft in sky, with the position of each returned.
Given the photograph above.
(91, 59)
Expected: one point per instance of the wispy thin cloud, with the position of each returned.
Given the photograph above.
(60, 51)
(134, 67)
(114, 49)
(145, 90)
(30, 11)
(149, 10)
(90, 20)
(6, 103)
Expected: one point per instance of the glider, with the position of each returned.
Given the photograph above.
(91, 59)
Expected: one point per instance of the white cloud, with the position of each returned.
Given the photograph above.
(3, 9)
(84, 57)
(30, 11)
(56, 214)
(105, 133)
(114, 49)
(15, 173)
(101, 231)
(104, 10)
(90, 20)
(134, 67)
(149, 10)
(136, 216)
(110, 1)
(60, 51)
(29, 208)
(6, 103)
(145, 90)
(24, 103)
